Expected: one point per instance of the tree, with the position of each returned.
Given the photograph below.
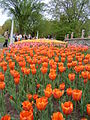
(73, 9)
(71, 15)
(26, 13)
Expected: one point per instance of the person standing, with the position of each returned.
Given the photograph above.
(6, 35)
(29, 37)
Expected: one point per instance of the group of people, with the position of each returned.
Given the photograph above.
(19, 37)
(16, 37)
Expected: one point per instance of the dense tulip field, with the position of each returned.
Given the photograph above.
(44, 82)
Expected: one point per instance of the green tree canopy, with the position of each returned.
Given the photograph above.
(71, 16)
(26, 13)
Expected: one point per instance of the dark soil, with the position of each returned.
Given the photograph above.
(10, 109)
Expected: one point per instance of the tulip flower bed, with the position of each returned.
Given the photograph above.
(44, 82)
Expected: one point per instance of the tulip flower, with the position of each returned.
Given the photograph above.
(69, 91)
(41, 103)
(26, 115)
(71, 76)
(76, 94)
(52, 75)
(48, 92)
(6, 117)
(29, 96)
(2, 85)
(62, 86)
(62, 69)
(16, 80)
(35, 96)
(1, 76)
(67, 107)
(44, 70)
(57, 116)
(27, 106)
(88, 109)
(85, 74)
(57, 93)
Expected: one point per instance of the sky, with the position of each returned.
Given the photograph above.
(4, 16)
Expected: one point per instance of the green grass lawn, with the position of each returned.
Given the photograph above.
(2, 40)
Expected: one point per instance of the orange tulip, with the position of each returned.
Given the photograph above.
(77, 69)
(33, 71)
(2, 85)
(71, 76)
(67, 107)
(80, 59)
(52, 75)
(16, 80)
(11, 97)
(27, 106)
(69, 65)
(29, 96)
(35, 96)
(56, 59)
(88, 109)
(79, 63)
(12, 65)
(4, 68)
(41, 103)
(62, 69)
(32, 66)
(85, 74)
(81, 67)
(26, 71)
(44, 70)
(1, 76)
(6, 117)
(76, 94)
(62, 59)
(57, 93)
(39, 62)
(85, 81)
(74, 63)
(69, 91)
(45, 64)
(69, 59)
(57, 116)
(85, 61)
(54, 66)
(22, 63)
(62, 86)
(60, 64)
(26, 115)
(48, 85)
(87, 67)
(38, 86)
(48, 92)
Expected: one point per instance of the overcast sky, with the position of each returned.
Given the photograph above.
(4, 17)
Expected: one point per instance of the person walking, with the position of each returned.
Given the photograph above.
(6, 39)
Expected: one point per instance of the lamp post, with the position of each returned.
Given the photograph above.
(11, 36)
(37, 35)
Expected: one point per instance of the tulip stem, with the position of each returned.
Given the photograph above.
(75, 106)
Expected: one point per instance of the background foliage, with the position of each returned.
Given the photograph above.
(64, 17)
